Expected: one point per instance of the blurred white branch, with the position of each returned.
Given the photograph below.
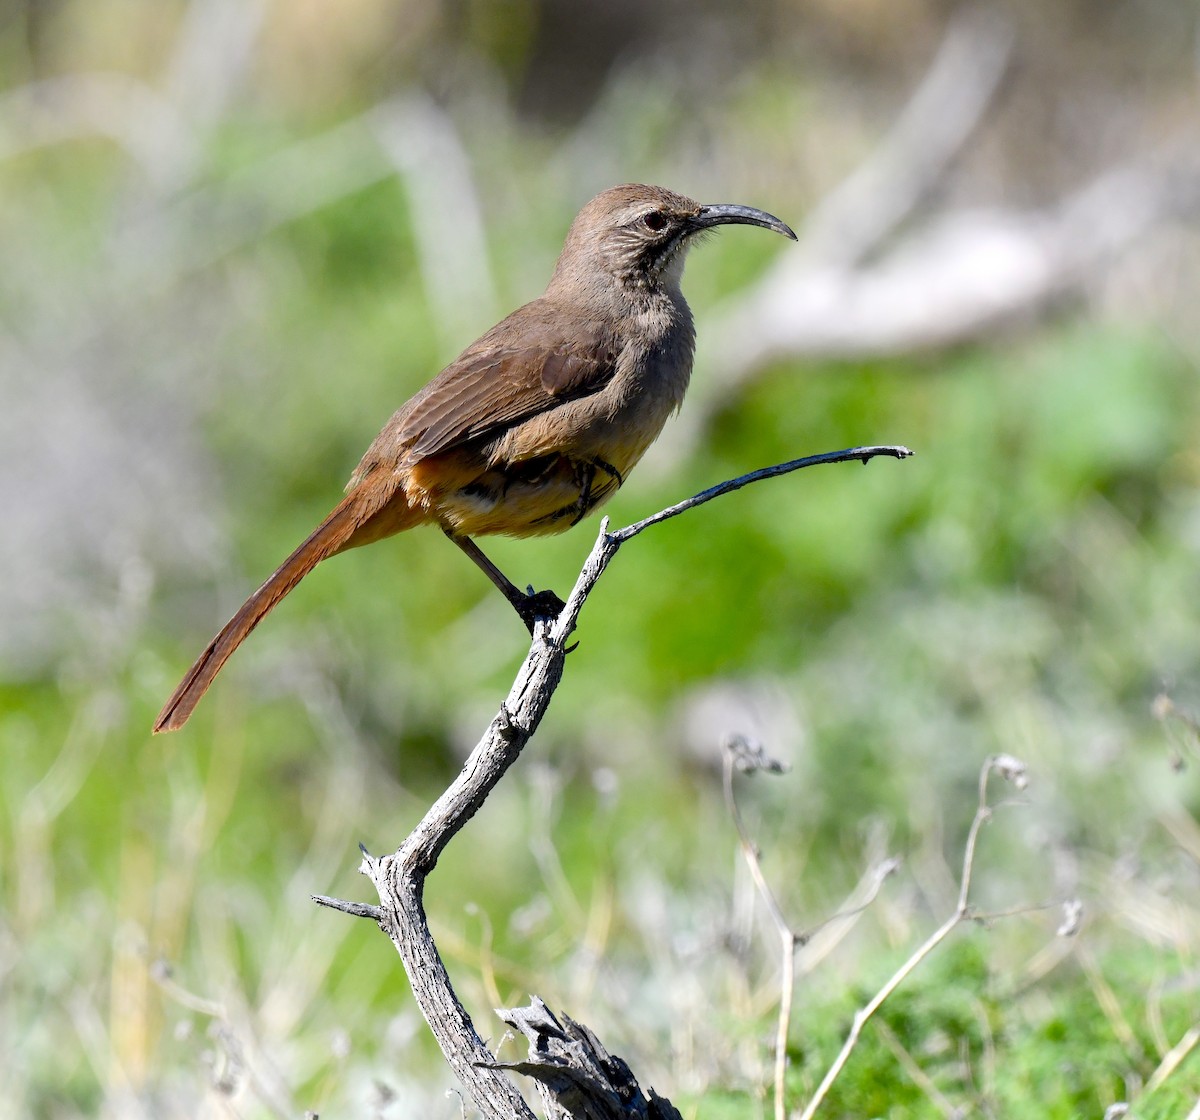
(145, 124)
(214, 51)
(447, 221)
(211, 221)
(861, 287)
(966, 273)
(940, 117)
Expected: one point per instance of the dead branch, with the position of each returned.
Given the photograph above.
(399, 878)
(575, 1074)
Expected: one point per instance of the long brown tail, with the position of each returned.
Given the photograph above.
(332, 535)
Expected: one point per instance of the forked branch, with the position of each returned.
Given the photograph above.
(400, 877)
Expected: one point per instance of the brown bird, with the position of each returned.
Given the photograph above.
(536, 423)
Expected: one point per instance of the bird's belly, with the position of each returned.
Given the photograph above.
(536, 497)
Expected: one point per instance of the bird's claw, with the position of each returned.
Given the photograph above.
(539, 606)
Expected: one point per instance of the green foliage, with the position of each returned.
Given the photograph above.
(987, 1050)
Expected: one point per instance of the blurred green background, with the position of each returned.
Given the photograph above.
(237, 234)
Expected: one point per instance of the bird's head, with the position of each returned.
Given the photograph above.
(638, 235)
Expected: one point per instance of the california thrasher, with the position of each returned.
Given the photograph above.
(535, 424)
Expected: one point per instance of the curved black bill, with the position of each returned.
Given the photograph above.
(729, 213)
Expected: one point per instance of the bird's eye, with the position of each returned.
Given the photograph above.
(656, 220)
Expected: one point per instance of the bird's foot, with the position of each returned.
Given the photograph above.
(539, 606)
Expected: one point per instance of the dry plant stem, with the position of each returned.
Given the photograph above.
(961, 913)
(1173, 1058)
(400, 877)
(607, 543)
(787, 939)
(818, 942)
(790, 940)
(1109, 1004)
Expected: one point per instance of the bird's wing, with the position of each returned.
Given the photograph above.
(531, 362)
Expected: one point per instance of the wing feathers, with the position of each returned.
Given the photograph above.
(529, 364)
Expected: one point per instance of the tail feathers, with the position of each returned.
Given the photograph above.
(332, 535)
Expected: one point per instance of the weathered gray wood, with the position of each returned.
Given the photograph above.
(577, 1077)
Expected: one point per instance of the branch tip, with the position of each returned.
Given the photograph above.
(899, 451)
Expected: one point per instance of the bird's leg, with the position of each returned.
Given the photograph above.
(530, 606)
(585, 474)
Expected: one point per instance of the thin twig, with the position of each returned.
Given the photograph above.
(862, 454)
(818, 941)
(750, 849)
(787, 939)
(1110, 1005)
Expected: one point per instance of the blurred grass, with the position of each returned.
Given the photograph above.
(1027, 584)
